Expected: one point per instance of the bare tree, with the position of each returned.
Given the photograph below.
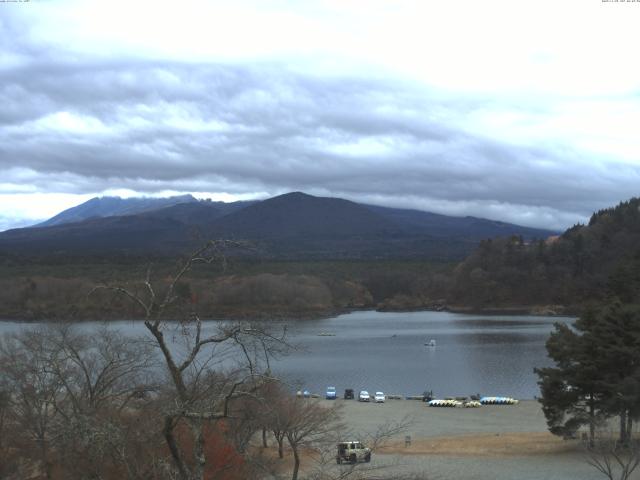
(8, 461)
(306, 422)
(102, 373)
(4, 410)
(384, 433)
(324, 461)
(313, 432)
(614, 459)
(34, 391)
(275, 414)
(98, 370)
(68, 396)
(198, 396)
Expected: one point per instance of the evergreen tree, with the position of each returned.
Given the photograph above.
(597, 372)
(571, 391)
(618, 332)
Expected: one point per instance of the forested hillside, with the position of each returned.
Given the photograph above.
(507, 274)
(568, 270)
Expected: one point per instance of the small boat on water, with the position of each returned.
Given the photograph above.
(430, 343)
(326, 334)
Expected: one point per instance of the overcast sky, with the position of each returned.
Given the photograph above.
(522, 111)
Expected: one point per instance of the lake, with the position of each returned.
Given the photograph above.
(486, 354)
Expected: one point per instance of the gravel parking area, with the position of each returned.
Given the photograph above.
(437, 421)
(494, 442)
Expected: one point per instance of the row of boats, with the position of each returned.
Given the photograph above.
(452, 403)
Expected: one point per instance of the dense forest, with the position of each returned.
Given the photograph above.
(59, 289)
(567, 271)
(548, 276)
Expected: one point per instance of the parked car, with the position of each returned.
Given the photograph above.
(348, 394)
(363, 396)
(306, 393)
(353, 452)
(379, 397)
(331, 393)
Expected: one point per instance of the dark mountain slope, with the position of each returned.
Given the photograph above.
(300, 215)
(291, 226)
(126, 234)
(166, 230)
(100, 207)
(198, 213)
(427, 223)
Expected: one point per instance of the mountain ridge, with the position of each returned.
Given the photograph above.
(293, 225)
(110, 206)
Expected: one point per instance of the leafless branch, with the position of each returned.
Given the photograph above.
(614, 460)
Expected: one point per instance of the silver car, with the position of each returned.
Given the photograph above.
(363, 396)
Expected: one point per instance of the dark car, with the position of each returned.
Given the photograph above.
(348, 394)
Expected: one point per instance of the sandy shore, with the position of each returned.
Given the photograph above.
(490, 442)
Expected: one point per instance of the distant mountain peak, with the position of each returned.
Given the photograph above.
(292, 225)
(294, 195)
(108, 206)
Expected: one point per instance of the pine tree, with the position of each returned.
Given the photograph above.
(597, 372)
(572, 391)
(618, 331)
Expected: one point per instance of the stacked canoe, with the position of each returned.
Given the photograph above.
(444, 403)
(498, 401)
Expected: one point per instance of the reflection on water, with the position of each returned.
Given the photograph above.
(487, 354)
(491, 355)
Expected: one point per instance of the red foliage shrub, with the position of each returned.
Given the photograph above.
(223, 461)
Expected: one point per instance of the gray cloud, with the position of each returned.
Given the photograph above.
(80, 125)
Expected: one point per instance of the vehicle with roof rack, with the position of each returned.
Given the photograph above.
(353, 452)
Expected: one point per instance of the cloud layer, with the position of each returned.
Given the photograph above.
(73, 123)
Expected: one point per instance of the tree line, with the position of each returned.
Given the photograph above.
(570, 270)
(272, 290)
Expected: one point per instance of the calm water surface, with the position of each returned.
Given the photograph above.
(491, 355)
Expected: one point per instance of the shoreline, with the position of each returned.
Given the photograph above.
(534, 310)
